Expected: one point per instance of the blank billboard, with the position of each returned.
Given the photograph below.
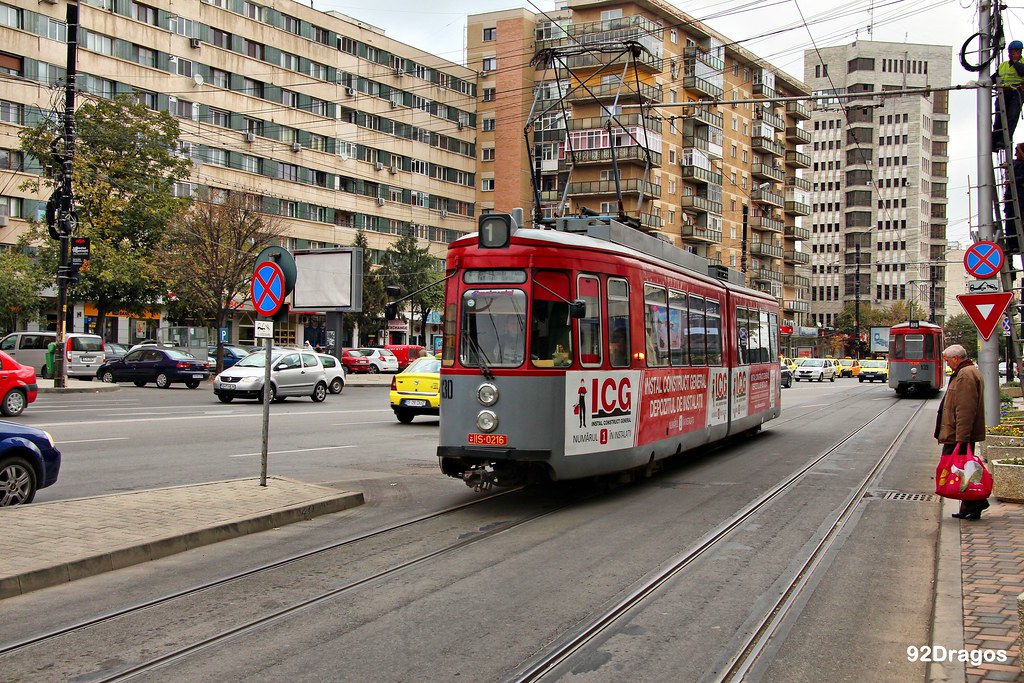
(329, 280)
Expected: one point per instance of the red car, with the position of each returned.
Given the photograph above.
(17, 386)
(355, 361)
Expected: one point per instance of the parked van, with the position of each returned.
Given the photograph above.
(406, 353)
(83, 353)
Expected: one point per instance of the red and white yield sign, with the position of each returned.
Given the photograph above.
(983, 260)
(985, 310)
(267, 288)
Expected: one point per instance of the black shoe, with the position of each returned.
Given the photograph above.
(968, 515)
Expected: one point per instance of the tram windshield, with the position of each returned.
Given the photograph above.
(493, 328)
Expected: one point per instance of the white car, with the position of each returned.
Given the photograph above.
(816, 369)
(381, 360)
(335, 373)
(293, 373)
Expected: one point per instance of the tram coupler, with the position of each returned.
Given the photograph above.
(479, 479)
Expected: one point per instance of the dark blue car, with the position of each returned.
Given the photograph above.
(28, 462)
(162, 366)
(232, 354)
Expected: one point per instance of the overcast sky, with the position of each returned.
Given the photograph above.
(776, 30)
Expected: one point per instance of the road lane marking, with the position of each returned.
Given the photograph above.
(294, 450)
(112, 438)
(220, 416)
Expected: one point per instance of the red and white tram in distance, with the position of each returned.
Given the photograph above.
(915, 358)
(593, 348)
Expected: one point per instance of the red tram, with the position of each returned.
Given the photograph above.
(915, 358)
(593, 348)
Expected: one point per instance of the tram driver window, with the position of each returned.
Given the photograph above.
(913, 346)
(656, 325)
(493, 327)
(550, 337)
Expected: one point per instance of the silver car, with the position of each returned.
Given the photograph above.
(815, 369)
(335, 373)
(292, 373)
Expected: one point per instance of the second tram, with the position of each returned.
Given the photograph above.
(592, 349)
(915, 358)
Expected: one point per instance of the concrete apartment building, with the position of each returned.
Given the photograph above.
(879, 177)
(335, 126)
(685, 173)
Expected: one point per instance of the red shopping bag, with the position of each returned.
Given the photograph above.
(962, 476)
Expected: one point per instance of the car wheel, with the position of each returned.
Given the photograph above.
(14, 404)
(404, 416)
(336, 386)
(832, 378)
(226, 398)
(108, 377)
(163, 381)
(374, 369)
(193, 384)
(17, 482)
(861, 380)
(139, 383)
(273, 394)
(319, 392)
(821, 377)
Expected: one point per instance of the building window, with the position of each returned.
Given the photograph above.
(254, 11)
(490, 34)
(252, 87)
(489, 63)
(290, 24)
(219, 117)
(252, 164)
(487, 184)
(487, 154)
(489, 94)
(145, 14)
(289, 61)
(219, 78)
(254, 49)
(220, 38)
(488, 124)
(288, 172)
(10, 16)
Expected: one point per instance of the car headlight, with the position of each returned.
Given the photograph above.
(487, 394)
(487, 421)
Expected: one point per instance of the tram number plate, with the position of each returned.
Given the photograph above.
(487, 439)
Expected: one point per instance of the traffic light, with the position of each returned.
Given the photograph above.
(53, 213)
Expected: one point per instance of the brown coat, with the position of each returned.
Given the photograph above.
(961, 417)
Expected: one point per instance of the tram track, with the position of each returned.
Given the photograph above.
(748, 656)
(43, 638)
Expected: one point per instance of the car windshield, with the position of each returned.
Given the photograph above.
(425, 366)
(813, 363)
(872, 364)
(257, 360)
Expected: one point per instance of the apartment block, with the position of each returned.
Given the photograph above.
(639, 102)
(879, 177)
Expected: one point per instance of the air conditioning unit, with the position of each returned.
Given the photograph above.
(250, 137)
(459, 124)
(394, 169)
(379, 166)
(484, 73)
(296, 146)
(350, 91)
(194, 42)
(444, 214)
(380, 201)
(398, 71)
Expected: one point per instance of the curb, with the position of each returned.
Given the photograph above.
(948, 605)
(98, 388)
(125, 557)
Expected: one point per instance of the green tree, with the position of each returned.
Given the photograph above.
(411, 268)
(374, 297)
(20, 283)
(960, 330)
(209, 253)
(125, 167)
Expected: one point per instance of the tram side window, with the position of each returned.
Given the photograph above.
(713, 331)
(773, 335)
(742, 333)
(896, 347)
(656, 325)
(550, 338)
(448, 350)
(698, 328)
(618, 323)
(588, 288)
(761, 351)
(677, 328)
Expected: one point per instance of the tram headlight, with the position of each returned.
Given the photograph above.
(487, 421)
(913, 371)
(487, 394)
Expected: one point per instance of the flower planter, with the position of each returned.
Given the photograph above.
(1007, 481)
(1014, 392)
(993, 452)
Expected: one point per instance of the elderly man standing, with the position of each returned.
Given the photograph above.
(961, 417)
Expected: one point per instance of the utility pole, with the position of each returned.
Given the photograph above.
(988, 353)
(65, 216)
(856, 304)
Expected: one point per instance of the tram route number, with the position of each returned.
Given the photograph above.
(487, 439)
(447, 389)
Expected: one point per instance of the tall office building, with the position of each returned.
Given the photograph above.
(688, 174)
(879, 176)
(332, 125)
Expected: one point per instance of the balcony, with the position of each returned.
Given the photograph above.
(798, 110)
(765, 195)
(701, 233)
(702, 204)
(632, 27)
(765, 275)
(768, 171)
(798, 208)
(697, 174)
(798, 159)
(765, 223)
(798, 183)
(796, 306)
(796, 280)
(713, 149)
(770, 117)
(798, 135)
(702, 86)
(646, 61)
(550, 196)
(625, 92)
(704, 115)
(765, 249)
(798, 232)
(797, 257)
(623, 155)
(605, 187)
(621, 121)
(767, 146)
(764, 90)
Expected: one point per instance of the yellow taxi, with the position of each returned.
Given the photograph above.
(835, 365)
(417, 390)
(788, 362)
(872, 370)
(850, 367)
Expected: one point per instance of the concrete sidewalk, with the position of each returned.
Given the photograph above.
(70, 539)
